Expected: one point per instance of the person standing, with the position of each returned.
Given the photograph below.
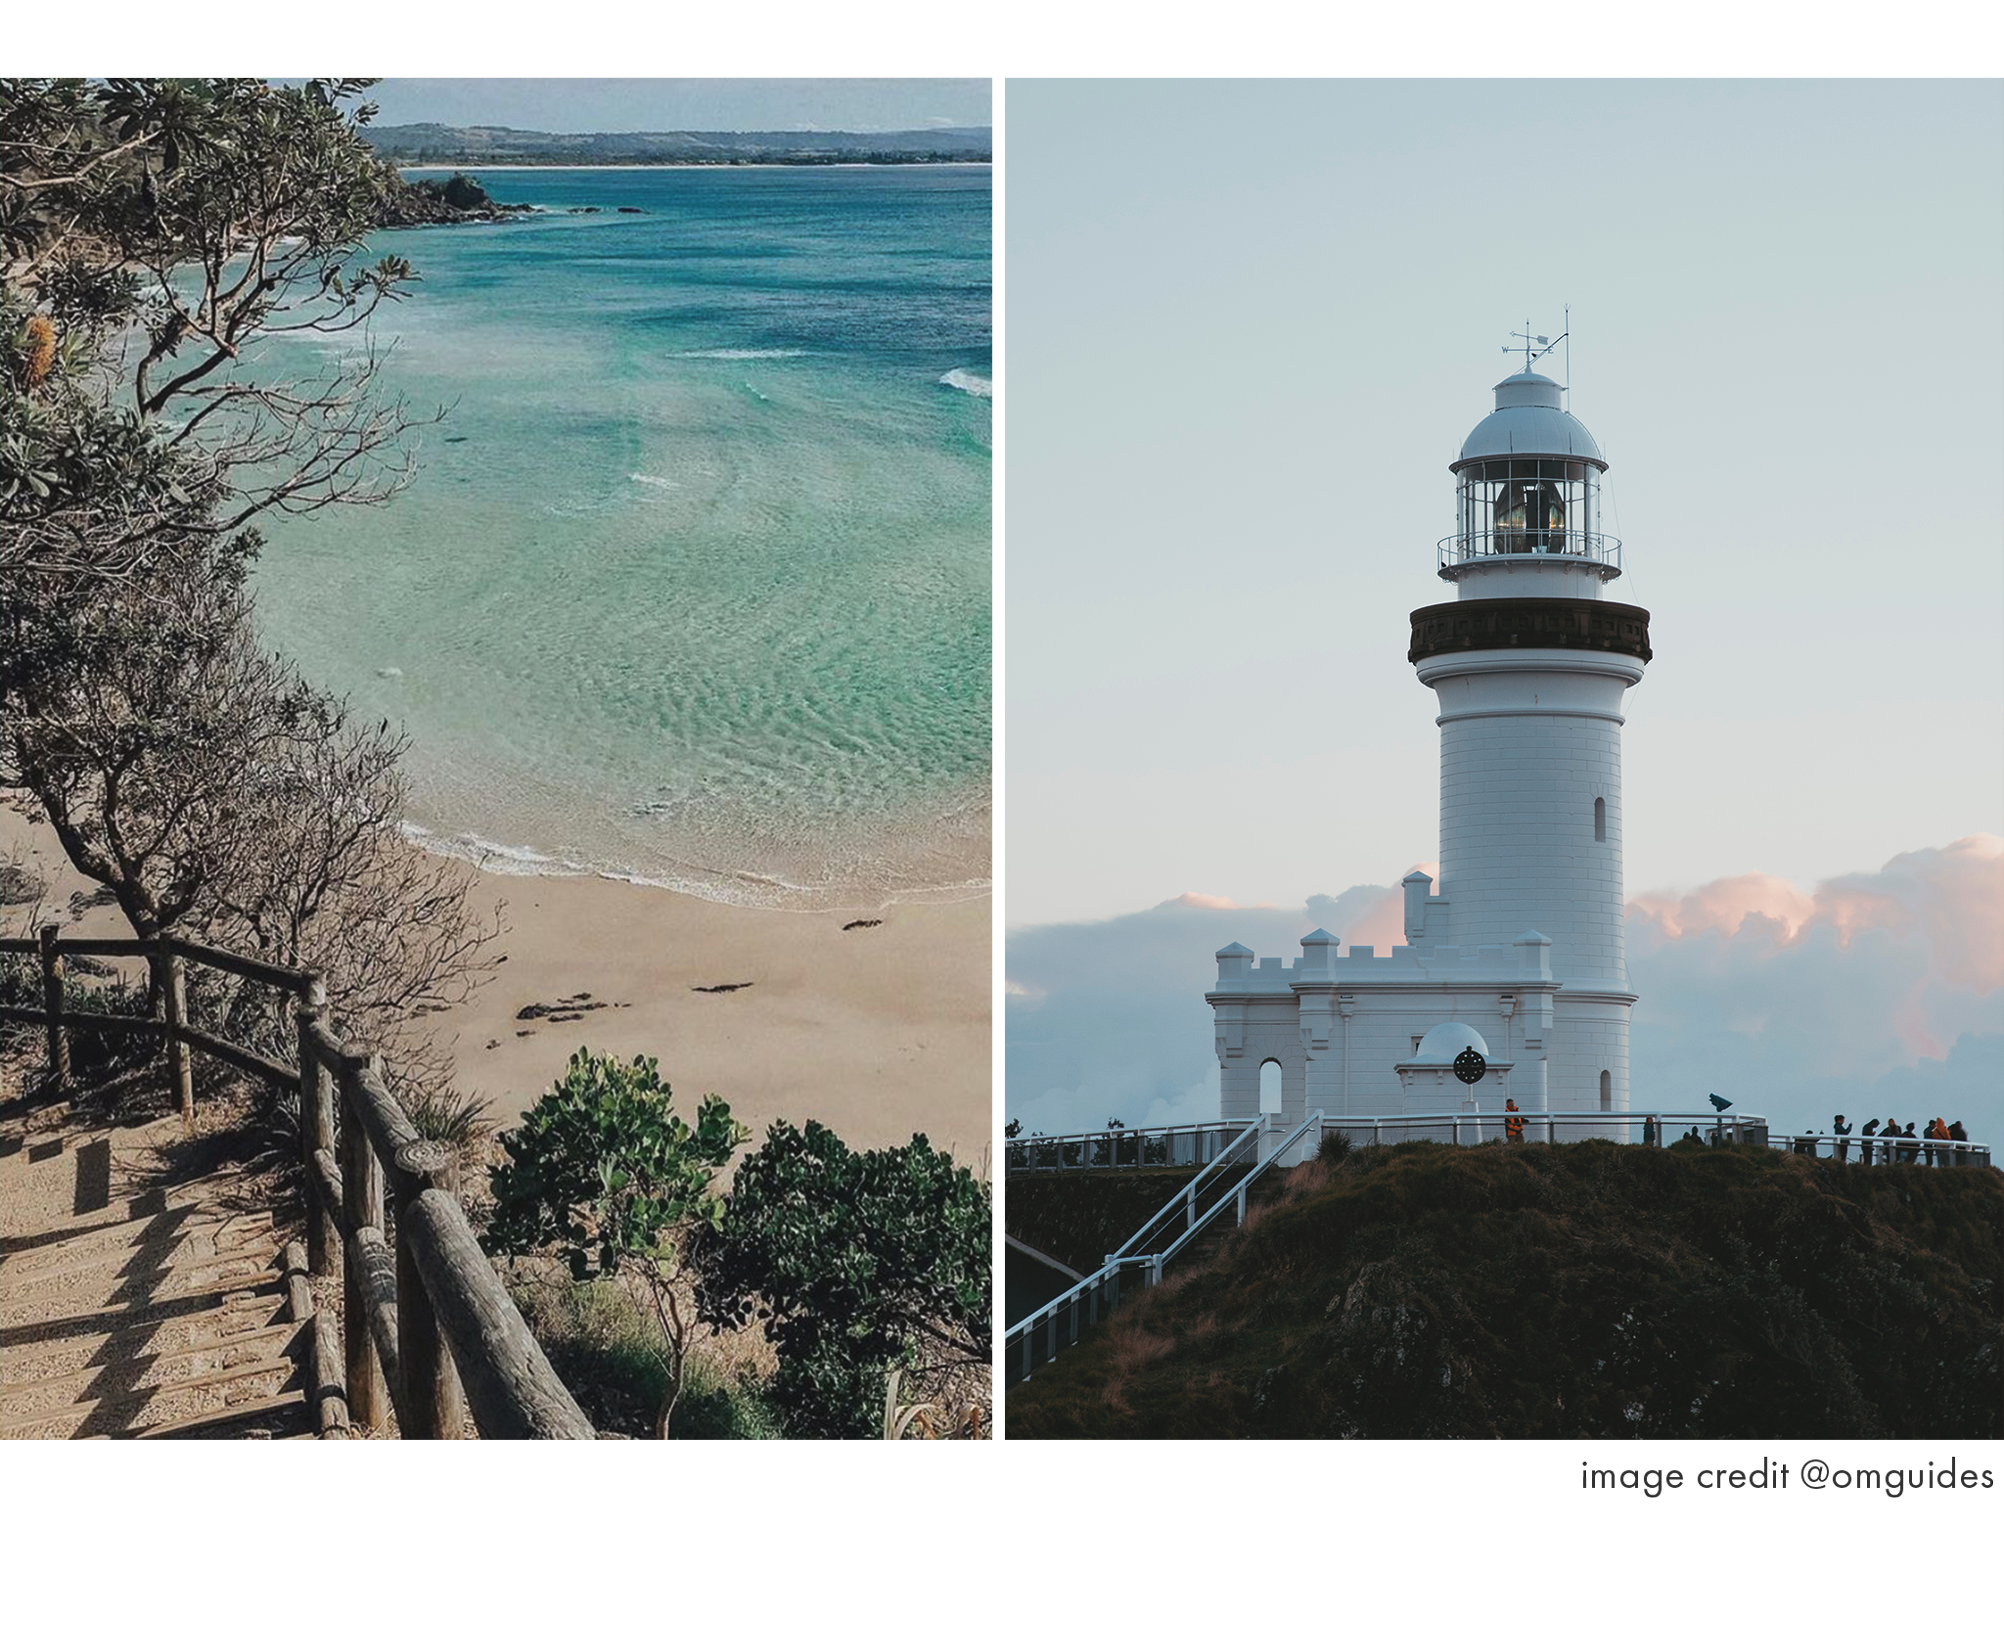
(1865, 1141)
(1513, 1124)
(1838, 1127)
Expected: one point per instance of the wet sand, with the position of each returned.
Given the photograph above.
(878, 1032)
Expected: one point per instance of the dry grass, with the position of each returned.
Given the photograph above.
(605, 1342)
(1596, 1290)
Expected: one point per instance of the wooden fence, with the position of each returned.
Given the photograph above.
(428, 1328)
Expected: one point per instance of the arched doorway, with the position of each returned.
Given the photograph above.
(1269, 1088)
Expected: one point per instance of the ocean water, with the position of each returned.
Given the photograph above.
(693, 584)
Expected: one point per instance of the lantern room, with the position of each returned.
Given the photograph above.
(1528, 482)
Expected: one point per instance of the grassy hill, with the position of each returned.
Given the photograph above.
(1587, 1290)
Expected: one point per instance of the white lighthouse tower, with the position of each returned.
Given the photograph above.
(1519, 947)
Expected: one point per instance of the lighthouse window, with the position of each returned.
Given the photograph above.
(1525, 505)
(1600, 819)
(1606, 1091)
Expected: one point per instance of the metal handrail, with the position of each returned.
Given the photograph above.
(1496, 1121)
(1190, 1189)
(1124, 1255)
(1477, 545)
(1245, 1183)
(1742, 1128)
(1020, 1154)
(1109, 1273)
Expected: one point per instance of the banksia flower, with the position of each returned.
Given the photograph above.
(38, 351)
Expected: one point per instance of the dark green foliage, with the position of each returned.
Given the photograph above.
(855, 1263)
(602, 1172)
(1592, 1290)
(603, 1175)
(1335, 1146)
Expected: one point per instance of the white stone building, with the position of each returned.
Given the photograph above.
(1520, 949)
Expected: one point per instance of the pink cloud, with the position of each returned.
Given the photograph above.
(1723, 905)
(1954, 896)
(1949, 900)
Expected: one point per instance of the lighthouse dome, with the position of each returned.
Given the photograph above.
(1530, 420)
(1444, 1043)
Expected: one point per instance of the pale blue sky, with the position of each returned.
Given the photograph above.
(686, 105)
(1249, 325)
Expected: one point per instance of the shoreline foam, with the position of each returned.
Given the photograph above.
(742, 887)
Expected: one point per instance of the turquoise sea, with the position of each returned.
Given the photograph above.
(693, 583)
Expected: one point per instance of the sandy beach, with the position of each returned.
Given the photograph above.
(878, 1032)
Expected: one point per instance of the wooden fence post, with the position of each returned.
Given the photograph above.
(52, 1008)
(433, 1404)
(362, 1193)
(172, 980)
(316, 1129)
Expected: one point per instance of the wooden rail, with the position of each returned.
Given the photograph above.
(428, 1330)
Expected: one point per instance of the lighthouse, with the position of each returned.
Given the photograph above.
(1514, 967)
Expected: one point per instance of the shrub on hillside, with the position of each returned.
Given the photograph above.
(603, 1175)
(856, 1264)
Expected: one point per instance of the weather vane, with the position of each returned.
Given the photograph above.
(1544, 344)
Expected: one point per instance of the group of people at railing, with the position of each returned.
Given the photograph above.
(1941, 1144)
(1899, 1144)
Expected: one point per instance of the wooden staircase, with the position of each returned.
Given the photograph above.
(132, 1307)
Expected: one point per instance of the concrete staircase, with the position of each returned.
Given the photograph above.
(132, 1305)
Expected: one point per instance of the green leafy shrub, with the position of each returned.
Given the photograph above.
(856, 1264)
(1335, 1147)
(603, 1175)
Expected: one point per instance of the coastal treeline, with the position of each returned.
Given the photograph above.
(158, 236)
(435, 144)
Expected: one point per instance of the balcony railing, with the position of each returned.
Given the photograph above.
(1481, 545)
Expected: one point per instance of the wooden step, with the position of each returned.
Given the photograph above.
(173, 1403)
(231, 1316)
(140, 1204)
(71, 1291)
(118, 1317)
(288, 1406)
(149, 1370)
(183, 1250)
(25, 1254)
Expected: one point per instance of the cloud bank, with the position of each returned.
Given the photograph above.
(1877, 993)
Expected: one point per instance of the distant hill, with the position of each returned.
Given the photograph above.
(1588, 1290)
(431, 144)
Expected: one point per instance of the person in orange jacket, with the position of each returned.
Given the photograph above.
(1513, 1124)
